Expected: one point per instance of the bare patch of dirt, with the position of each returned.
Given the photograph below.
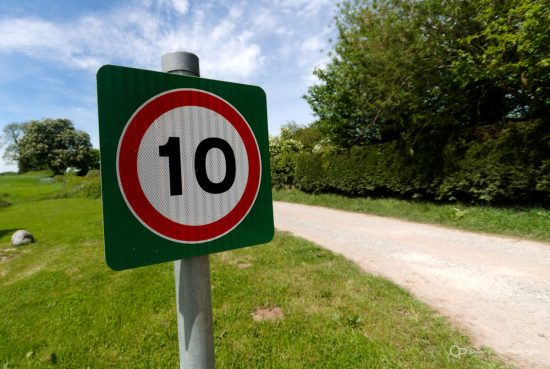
(4, 257)
(225, 257)
(268, 314)
(27, 273)
(6, 254)
(244, 265)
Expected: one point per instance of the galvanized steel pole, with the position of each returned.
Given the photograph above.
(193, 296)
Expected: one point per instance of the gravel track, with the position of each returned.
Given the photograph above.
(497, 289)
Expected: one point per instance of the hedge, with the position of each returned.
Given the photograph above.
(498, 164)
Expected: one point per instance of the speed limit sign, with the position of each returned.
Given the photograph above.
(188, 165)
(184, 165)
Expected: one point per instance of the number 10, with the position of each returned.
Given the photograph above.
(172, 150)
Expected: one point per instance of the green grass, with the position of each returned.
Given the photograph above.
(28, 187)
(532, 223)
(42, 185)
(62, 307)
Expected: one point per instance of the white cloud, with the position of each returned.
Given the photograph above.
(32, 36)
(181, 6)
(273, 43)
(264, 20)
(315, 51)
(313, 44)
(304, 7)
(139, 36)
(230, 39)
(236, 12)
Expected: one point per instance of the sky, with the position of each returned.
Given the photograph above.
(50, 51)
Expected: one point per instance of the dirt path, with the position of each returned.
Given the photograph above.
(496, 288)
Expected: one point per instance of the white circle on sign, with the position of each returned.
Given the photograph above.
(192, 125)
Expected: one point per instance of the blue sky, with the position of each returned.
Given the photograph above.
(50, 50)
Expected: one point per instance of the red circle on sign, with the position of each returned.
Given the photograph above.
(127, 166)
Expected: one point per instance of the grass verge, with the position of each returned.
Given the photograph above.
(287, 304)
(532, 223)
(34, 186)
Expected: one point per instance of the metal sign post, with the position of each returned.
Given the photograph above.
(193, 296)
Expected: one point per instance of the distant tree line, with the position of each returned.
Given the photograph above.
(52, 144)
(440, 99)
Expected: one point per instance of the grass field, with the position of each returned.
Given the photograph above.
(60, 306)
(533, 223)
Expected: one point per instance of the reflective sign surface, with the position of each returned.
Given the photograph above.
(185, 166)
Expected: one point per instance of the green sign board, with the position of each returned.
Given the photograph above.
(184, 166)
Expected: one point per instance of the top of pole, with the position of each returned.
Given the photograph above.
(181, 62)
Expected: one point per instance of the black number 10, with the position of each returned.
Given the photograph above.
(172, 150)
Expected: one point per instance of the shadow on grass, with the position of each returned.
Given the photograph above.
(4, 232)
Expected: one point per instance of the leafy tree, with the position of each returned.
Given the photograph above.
(55, 144)
(401, 66)
(283, 150)
(510, 49)
(308, 136)
(291, 127)
(96, 159)
(11, 135)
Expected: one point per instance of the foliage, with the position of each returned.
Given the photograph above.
(95, 159)
(54, 144)
(309, 136)
(283, 150)
(499, 166)
(11, 136)
(87, 186)
(505, 163)
(510, 50)
(408, 66)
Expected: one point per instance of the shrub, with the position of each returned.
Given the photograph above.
(505, 163)
(283, 152)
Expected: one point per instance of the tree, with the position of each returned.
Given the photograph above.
(96, 159)
(55, 144)
(510, 49)
(402, 66)
(283, 151)
(11, 135)
(309, 136)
